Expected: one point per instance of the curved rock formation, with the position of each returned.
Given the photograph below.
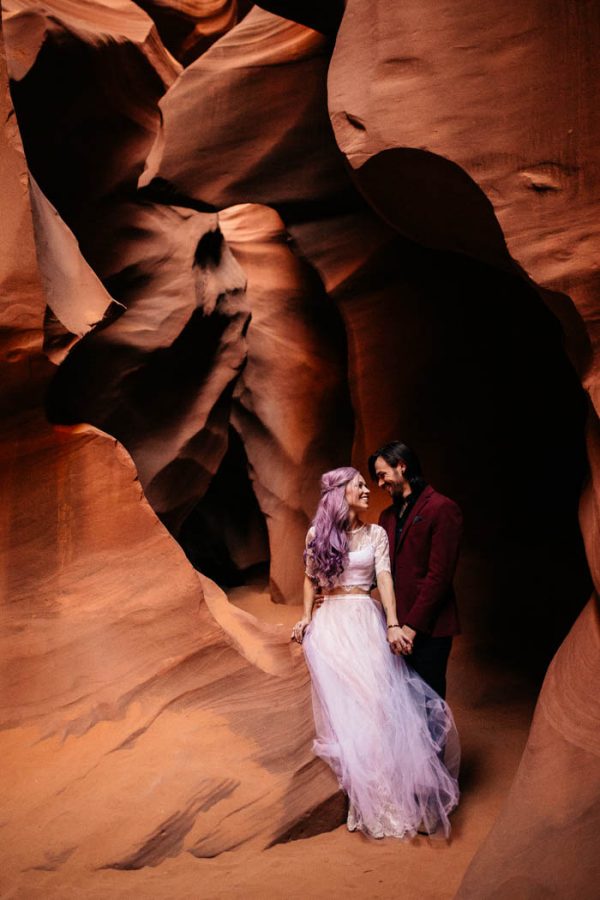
(160, 376)
(24, 368)
(113, 669)
(189, 28)
(401, 295)
(472, 114)
(544, 842)
(277, 69)
(417, 322)
(417, 110)
(185, 332)
(291, 390)
(456, 93)
(124, 377)
(77, 300)
(450, 160)
(86, 79)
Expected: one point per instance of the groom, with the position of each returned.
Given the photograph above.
(424, 529)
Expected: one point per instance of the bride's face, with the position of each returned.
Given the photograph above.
(357, 494)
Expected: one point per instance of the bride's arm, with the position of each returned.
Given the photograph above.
(396, 638)
(309, 601)
(309, 598)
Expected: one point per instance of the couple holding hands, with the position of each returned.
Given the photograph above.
(379, 670)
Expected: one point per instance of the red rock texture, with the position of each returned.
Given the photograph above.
(416, 109)
(115, 672)
(113, 668)
(325, 251)
(458, 95)
(189, 28)
(545, 840)
(481, 90)
(278, 69)
(185, 333)
(160, 376)
(291, 389)
(415, 313)
(450, 157)
(123, 379)
(86, 79)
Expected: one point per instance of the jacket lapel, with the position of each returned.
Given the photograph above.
(421, 502)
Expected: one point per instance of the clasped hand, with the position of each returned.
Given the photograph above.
(400, 640)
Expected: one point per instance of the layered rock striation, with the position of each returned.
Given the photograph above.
(135, 728)
(294, 251)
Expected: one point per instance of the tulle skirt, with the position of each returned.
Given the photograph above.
(389, 738)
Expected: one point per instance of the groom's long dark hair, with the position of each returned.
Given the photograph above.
(396, 452)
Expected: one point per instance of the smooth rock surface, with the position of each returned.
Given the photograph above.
(150, 725)
(86, 78)
(292, 388)
(499, 99)
(160, 376)
(132, 729)
(276, 68)
(476, 130)
(127, 715)
(189, 28)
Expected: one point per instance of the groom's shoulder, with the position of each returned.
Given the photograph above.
(436, 500)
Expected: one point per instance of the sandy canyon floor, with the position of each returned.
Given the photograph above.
(334, 864)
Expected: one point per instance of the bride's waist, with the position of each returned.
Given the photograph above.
(354, 590)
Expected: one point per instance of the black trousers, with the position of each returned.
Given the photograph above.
(430, 659)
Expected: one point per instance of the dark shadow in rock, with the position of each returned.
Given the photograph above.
(87, 115)
(469, 367)
(225, 535)
(323, 15)
(209, 249)
(187, 35)
(160, 190)
(329, 814)
(433, 201)
(326, 815)
(110, 384)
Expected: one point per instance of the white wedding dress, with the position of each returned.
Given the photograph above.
(389, 738)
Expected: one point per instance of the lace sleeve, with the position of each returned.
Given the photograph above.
(379, 540)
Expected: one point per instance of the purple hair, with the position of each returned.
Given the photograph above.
(327, 551)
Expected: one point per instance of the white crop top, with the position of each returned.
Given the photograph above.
(368, 555)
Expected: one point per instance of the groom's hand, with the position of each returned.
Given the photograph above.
(410, 634)
(399, 643)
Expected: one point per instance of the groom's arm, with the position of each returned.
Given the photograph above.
(443, 556)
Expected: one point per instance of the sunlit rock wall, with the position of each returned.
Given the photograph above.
(479, 135)
(306, 248)
(115, 667)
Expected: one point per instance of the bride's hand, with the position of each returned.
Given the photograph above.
(399, 642)
(299, 629)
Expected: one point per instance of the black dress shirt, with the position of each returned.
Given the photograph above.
(403, 507)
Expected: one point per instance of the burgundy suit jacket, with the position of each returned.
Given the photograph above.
(424, 561)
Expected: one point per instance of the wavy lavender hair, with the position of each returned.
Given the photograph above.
(327, 552)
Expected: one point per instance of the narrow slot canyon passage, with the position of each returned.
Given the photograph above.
(466, 363)
(244, 244)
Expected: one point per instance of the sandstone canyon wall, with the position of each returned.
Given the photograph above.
(113, 667)
(291, 249)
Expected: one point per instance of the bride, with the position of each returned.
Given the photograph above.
(389, 738)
